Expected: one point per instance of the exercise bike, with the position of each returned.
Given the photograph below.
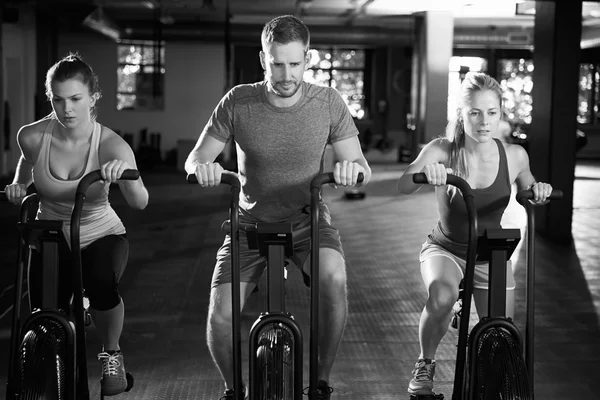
(47, 355)
(275, 339)
(494, 367)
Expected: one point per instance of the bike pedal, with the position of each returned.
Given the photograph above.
(432, 396)
(87, 318)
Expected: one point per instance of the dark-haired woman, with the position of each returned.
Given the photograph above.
(470, 151)
(56, 152)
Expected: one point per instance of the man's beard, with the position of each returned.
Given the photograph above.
(281, 91)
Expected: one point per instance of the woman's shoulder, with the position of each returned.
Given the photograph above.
(514, 152)
(35, 128)
(107, 134)
(439, 145)
(30, 135)
(111, 143)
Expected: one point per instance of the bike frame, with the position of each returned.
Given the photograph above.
(523, 198)
(77, 384)
(83, 390)
(231, 179)
(461, 353)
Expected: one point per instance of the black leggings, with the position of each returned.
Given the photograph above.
(103, 263)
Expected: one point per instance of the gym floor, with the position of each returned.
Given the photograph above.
(173, 245)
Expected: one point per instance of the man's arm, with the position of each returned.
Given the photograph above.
(206, 150)
(349, 151)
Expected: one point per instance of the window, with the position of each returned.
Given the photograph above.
(515, 78)
(342, 69)
(587, 110)
(140, 75)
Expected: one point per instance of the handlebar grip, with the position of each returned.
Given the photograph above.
(527, 194)
(460, 183)
(227, 177)
(86, 181)
(3, 196)
(420, 178)
(130, 175)
(328, 177)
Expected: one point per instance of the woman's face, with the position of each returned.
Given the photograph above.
(481, 115)
(72, 102)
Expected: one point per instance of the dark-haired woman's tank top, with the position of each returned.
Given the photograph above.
(452, 230)
(57, 196)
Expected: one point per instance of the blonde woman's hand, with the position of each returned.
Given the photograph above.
(541, 192)
(436, 173)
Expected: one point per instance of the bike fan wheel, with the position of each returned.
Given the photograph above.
(42, 358)
(275, 363)
(501, 371)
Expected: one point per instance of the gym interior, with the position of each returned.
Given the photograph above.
(163, 65)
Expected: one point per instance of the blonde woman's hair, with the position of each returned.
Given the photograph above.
(455, 130)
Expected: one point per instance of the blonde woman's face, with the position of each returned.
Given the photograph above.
(481, 116)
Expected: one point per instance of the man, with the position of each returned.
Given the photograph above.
(280, 127)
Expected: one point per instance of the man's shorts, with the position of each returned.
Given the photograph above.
(481, 278)
(252, 264)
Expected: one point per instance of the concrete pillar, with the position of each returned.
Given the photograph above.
(433, 49)
(3, 154)
(46, 56)
(557, 36)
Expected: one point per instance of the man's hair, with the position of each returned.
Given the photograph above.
(283, 30)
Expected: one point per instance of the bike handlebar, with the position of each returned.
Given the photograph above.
(527, 194)
(228, 177)
(86, 181)
(327, 177)
(453, 180)
(231, 178)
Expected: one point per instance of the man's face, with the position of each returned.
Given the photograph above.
(284, 66)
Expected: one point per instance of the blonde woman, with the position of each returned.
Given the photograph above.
(469, 149)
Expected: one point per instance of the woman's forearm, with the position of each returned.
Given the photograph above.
(135, 193)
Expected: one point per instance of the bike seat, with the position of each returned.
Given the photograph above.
(503, 239)
(32, 231)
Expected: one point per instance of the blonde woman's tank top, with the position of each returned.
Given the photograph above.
(57, 195)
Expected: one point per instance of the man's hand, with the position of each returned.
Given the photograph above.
(209, 174)
(346, 173)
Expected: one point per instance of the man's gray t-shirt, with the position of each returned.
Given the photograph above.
(279, 150)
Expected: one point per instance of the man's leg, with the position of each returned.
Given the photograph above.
(218, 332)
(333, 310)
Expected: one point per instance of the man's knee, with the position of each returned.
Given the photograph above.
(332, 268)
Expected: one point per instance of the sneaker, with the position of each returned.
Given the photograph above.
(228, 395)
(323, 390)
(113, 380)
(422, 381)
